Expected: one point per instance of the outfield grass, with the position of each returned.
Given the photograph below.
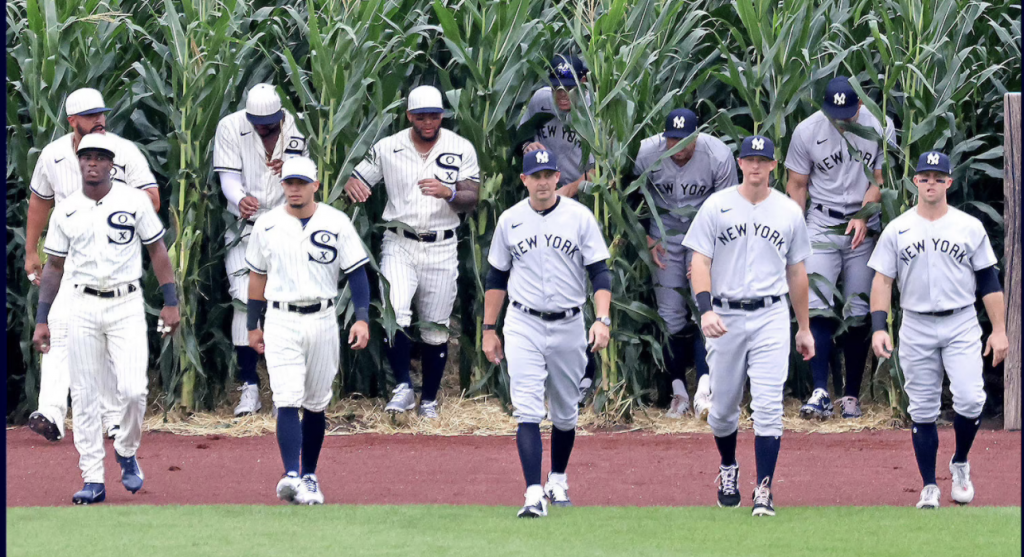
(252, 531)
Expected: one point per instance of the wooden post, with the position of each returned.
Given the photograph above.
(1013, 198)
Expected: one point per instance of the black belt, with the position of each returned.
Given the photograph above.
(109, 293)
(426, 236)
(943, 313)
(548, 315)
(250, 222)
(746, 305)
(833, 213)
(313, 308)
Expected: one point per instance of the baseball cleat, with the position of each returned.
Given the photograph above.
(42, 425)
(963, 489)
(702, 398)
(428, 410)
(536, 504)
(131, 472)
(557, 490)
(309, 492)
(763, 500)
(250, 401)
(930, 496)
(403, 399)
(111, 432)
(288, 487)
(728, 478)
(679, 408)
(849, 407)
(91, 493)
(818, 406)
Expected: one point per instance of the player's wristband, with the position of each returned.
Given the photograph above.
(170, 294)
(703, 302)
(490, 327)
(879, 321)
(43, 313)
(255, 310)
(454, 193)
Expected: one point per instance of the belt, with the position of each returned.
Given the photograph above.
(312, 308)
(548, 315)
(943, 313)
(746, 305)
(115, 293)
(250, 223)
(833, 213)
(425, 236)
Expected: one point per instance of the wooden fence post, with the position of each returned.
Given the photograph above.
(1013, 198)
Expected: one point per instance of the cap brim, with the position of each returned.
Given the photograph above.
(426, 110)
(91, 111)
(929, 167)
(567, 82)
(679, 134)
(265, 120)
(98, 149)
(299, 176)
(539, 167)
(841, 112)
(757, 154)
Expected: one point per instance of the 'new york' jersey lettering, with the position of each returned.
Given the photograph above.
(558, 135)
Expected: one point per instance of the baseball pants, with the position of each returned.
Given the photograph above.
(832, 258)
(423, 273)
(755, 346)
(672, 306)
(545, 358)
(107, 344)
(928, 345)
(238, 281)
(302, 352)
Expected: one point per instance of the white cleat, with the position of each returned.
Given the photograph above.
(930, 496)
(250, 401)
(289, 487)
(309, 493)
(404, 399)
(557, 490)
(702, 398)
(963, 489)
(679, 408)
(536, 504)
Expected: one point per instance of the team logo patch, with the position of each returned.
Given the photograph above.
(933, 158)
(323, 251)
(757, 144)
(122, 224)
(563, 70)
(449, 164)
(839, 99)
(678, 122)
(542, 158)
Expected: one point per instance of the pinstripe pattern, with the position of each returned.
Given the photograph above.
(238, 281)
(424, 273)
(302, 354)
(57, 174)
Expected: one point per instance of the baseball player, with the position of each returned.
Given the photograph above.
(99, 230)
(431, 175)
(295, 256)
(681, 182)
(831, 164)
(56, 177)
(943, 262)
(749, 246)
(249, 150)
(543, 249)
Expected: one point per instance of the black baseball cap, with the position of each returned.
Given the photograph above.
(680, 123)
(538, 160)
(933, 160)
(841, 101)
(566, 71)
(757, 146)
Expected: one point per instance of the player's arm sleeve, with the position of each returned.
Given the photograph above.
(231, 186)
(701, 235)
(797, 158)
(497, 279)
(368, 171)
(470, 169)
(883, 258)
(148, 224)
(350, 248)
(800, 246)
(983, 256)
(359, 284)
(499, 256)
(40, 184)
(137, 171)
(227, 157)
(57, 242)
(255, 256)
(600, 276)
(593, 245)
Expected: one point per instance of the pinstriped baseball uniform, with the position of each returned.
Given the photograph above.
(558, 136)
(239, 149)
(424, 272)
(102, 244)
(303, 265)
(57, 175)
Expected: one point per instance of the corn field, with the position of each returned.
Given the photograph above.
(170, 69)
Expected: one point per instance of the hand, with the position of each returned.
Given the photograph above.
(432, 187)
(599, 336)
(860, 231)
(256, 341)
(248, 206)
(359, 335)
(805, 343)
(356, 190)
(169, 320)
(33, 268)
(881, 344)
(275, 166)
(492, 347)
(533, 146)
(998, 346)
(657, 250)
(712, 326)
(41, 338)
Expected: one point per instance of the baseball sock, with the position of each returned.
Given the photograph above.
(926, 447)
(822, 329)
(677, 353)
(314, 424)
(530, 451)
(727, 448)
(965, 429)
(561, 448)
(855, 352)
(247, 358)
(766, 452)
(289, 438)
(433, 359)
(591, 368)
(398, 357)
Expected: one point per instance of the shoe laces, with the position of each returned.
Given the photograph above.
(129, 465)
(558, 488)
(960, 476)
(850, 405)
(727, 478)
(763, 494)
(428, 409)
(310, 483)
(817, 397)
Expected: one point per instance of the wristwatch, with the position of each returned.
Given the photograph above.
(606, 320)
(490, 327)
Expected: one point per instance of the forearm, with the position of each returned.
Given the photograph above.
(796, 188)
(996, 309)
(873, 195)
(798, 294)
(38, 212)
(700, 274)
(493, 301)
(162, 267)
(602, 303)
(881, 293)
(467, 194)
(53, 273)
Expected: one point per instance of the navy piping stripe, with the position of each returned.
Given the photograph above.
(41, 196)
(355, 266)
(55, 252)
(155, 238)
(361, 179)
(227, 168)
(254, 267)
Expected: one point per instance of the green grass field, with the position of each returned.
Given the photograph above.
(253, 531)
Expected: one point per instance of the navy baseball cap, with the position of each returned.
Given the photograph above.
(841, 101)
(538, 160)
(757, 146)
(933, 160)
(681, 123)
(566, 71)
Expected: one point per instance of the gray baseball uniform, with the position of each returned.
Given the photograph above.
(558, 136)
(933, 263)
(750, 247)
(547, 254)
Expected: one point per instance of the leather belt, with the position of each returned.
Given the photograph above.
(312, 308)
(832, 212)
(943, 313)
(548, 315)
(425, 236)
(115, 293)
(746, 305)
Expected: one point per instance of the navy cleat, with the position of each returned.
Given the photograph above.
(818, 406)
(91, 493)
(42, 425)
(131, 473)
(728, 493)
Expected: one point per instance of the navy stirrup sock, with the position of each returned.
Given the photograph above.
(289, 438)
(433, 359)
(561, 448)
(247, 358)
(530, 452)
(314, 426)
(727, 448)
(766, 452)
(926, 447)
(398, 357)
(822, 329)
(965, 429)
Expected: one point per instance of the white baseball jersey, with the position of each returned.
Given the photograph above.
(395, 160)
(101, 240)
(304, 263)
(835, 162)
(934, 261)
(238, 148)
(749, 245)
(57, 174)
(558, 136)
(711, 169)
(547, 253)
